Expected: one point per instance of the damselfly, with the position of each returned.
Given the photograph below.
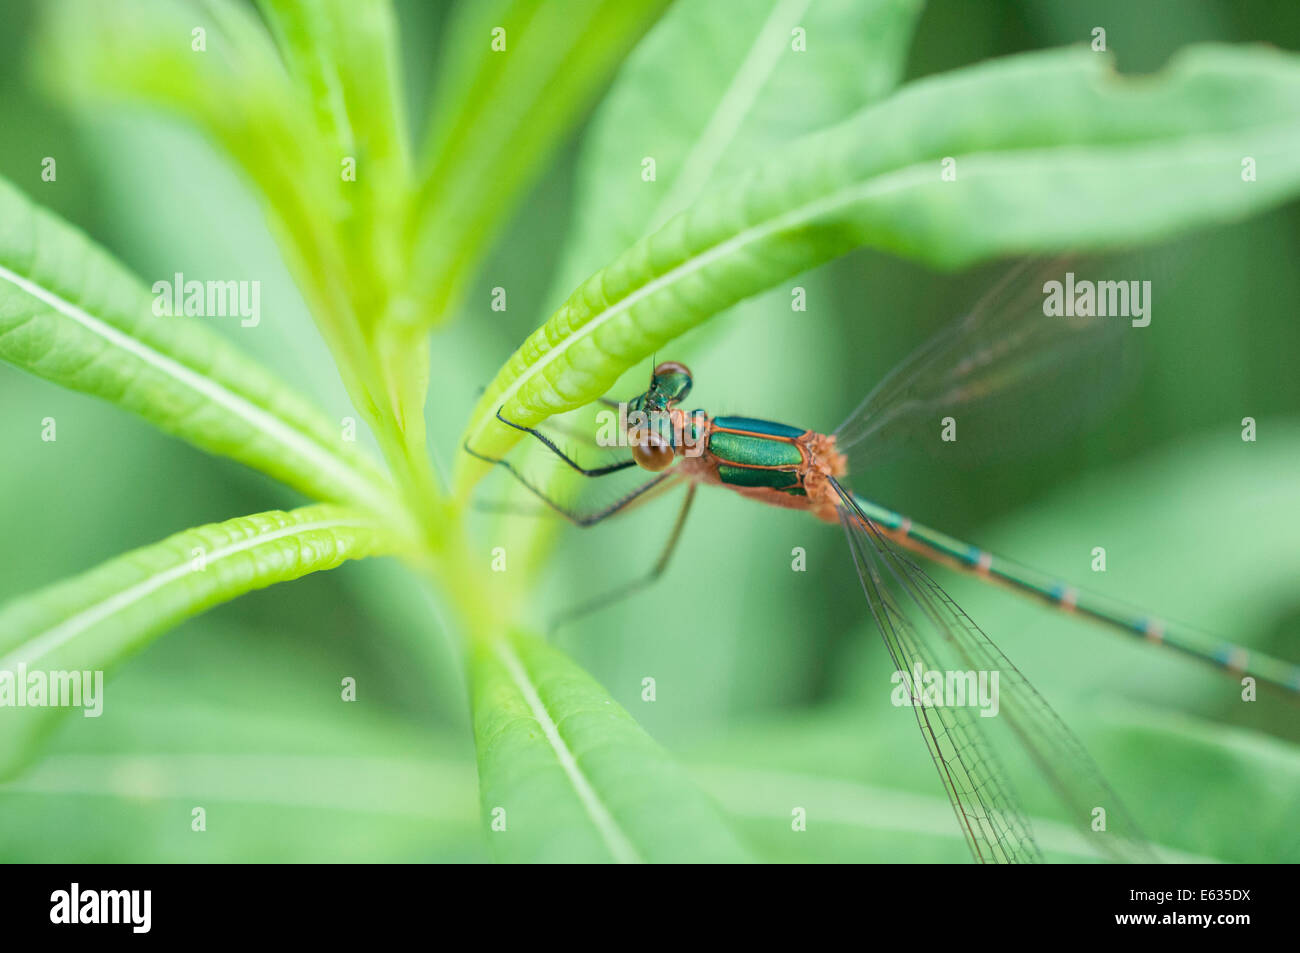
(1005, 342)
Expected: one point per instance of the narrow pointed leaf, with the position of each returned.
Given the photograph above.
(1052, 151)
(344, 55)
(91, 621)
(498, 114)
(871, 812)
(566, 775)
(708, 90)
(73, 315)
(236, 92)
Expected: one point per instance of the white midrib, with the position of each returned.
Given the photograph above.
(615, 840)
(259, 419)
(51, 639)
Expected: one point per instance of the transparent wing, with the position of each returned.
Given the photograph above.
(987, 810)
(1008, 373)
(921, 625)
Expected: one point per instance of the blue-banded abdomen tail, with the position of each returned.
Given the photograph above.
(941, 547)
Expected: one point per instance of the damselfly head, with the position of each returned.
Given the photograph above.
(653, 422)
(670, 383)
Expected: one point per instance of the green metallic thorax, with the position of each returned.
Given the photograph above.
(757, 453)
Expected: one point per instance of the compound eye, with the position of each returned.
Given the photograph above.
(672, 367)
(649, 451)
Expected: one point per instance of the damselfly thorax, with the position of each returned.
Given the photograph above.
(769, 462)
(761, 460)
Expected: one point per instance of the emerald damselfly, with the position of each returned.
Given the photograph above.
(1003, 345)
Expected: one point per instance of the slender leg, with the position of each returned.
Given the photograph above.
(615, 595)
(507, 507)
(573, 516)
(550, 445)
(583, 437)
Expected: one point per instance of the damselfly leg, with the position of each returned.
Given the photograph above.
(551, 446)
(622, 592)
(637, 495)
(574, 515)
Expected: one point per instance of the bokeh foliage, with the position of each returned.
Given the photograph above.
(760, 671)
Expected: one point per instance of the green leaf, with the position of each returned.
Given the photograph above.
(499, 115)
(247, 721)
(706, 123)
(570, 774)
(880, 805)
(344, 53)
(344, 56)
(273, 807)
(73, 315)
(91, 621)
(343, 239)
(1052, 151)
(1251, 788)
(235, 91)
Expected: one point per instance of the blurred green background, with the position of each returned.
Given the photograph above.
(760, 683)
